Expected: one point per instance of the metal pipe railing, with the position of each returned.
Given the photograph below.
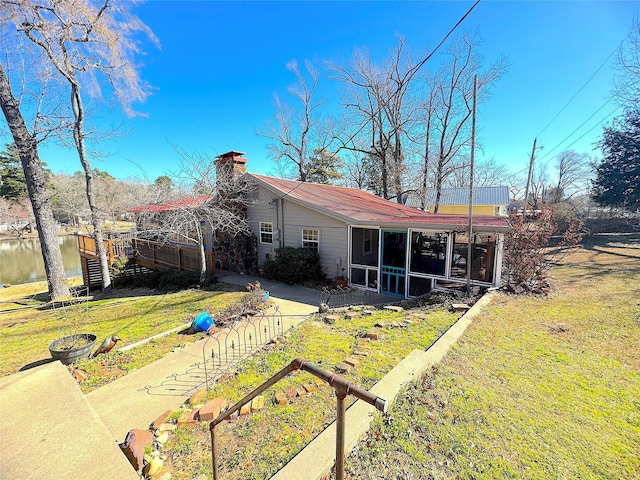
(343, 388)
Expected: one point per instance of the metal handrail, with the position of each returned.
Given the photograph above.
(343, 388)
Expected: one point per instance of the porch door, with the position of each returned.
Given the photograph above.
(394, 260)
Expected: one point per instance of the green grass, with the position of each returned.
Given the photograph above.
(537, 388)
(257, 445)
(134, 315)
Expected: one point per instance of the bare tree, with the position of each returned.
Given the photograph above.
(627, 83)
(487, 173)
(379, 96)
(68, 198)
(78, 40)
(574, 172)
(298, 132)
(207, 197)
(451, 109)
(27, 145)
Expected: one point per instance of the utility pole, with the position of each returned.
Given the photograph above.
(473, 150)
(526, 190)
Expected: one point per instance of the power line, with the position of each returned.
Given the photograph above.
(582, 87)
(596, 125)
(414, 71)
(578, 128)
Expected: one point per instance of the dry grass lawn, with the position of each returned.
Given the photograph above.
(537, 388)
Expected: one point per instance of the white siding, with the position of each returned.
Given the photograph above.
(263, 211)
(290, 219)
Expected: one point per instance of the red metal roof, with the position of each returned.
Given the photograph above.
(188, 202)
(356, 206)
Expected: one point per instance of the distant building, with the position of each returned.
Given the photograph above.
(486, 200)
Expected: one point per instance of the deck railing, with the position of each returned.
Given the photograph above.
(342, 387)
(169, 256)
(115, 246)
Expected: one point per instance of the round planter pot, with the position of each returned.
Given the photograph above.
(72, 348)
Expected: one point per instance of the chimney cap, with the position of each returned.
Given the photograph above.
(232, 155)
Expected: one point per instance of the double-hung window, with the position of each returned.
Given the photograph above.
(311, 239)
(266, 232)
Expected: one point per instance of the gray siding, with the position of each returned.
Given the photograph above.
(290, 220)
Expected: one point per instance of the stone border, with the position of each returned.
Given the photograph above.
(315, 461)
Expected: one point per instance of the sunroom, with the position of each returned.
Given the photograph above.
(414, 261)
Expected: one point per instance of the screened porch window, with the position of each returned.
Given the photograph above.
(428, 253)
(483, 252)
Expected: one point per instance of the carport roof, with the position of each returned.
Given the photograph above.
(357, 207)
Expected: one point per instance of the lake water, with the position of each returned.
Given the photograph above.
(21, 260)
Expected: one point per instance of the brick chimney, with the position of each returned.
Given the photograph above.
(230, 163)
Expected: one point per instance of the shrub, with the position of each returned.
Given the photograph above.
(294, 265)
(527, 253)
(161, 281)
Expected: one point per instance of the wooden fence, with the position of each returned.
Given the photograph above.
(164, 256)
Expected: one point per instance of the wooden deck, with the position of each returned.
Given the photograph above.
(141, 254)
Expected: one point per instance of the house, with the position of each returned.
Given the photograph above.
(377, 244)
(486, 200)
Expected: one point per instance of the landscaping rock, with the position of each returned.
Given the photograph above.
(165, 427)
(343, 367)
(162, 438)
(257, 403)
(360, 353)
(459, 307)
(310, 388)
(212, 409)
(80, 375)
(301, 392)
(188, 416)
(394, 308)
(351, 315)
(163, 475)
(153, 467)
(368, 312)
(161, 420)
(291, 393)
(281, 397)
(330, 319)
(372, 335)
(198, 398)
(351, 361)
(245, 409)
(134, 445)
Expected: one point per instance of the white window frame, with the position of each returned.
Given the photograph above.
(266, 232)
(306, 242)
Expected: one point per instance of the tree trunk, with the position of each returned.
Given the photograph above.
(78, 137)
(36, 186)
(439, 175)
(203, 258)
(398, 173)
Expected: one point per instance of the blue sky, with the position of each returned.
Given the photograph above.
(221, 62)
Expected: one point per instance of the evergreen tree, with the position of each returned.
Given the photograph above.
(617, 182)
(13, 185)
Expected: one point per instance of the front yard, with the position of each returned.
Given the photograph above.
(537, 388)
(26, 330)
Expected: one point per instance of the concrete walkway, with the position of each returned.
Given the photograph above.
(49, 430)
(138, 398)
(65, 434)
